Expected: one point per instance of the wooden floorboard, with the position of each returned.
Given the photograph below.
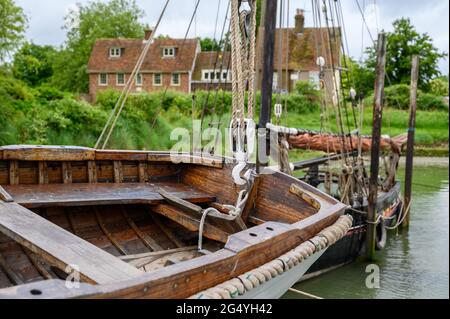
(64, 195)
(61, 248)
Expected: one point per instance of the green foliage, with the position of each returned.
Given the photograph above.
(86, 24)
(439, 86)
(361, 77)
(34, 63)
(398, 97)
(208, 45)
(13, 24)
(403, 43)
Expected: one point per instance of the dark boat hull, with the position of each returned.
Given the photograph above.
(352, 246)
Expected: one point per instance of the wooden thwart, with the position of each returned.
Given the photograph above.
(61, 248)
(69, 195)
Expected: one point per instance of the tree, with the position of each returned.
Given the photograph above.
(360, 77)
(34, 63)
(13, 24)
(209, 45)
(86, 24)
(403, 43)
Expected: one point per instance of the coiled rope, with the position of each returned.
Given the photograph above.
(242, 284)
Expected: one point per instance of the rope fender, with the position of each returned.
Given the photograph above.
(256, 277)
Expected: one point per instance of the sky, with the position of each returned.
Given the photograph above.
(46, 19)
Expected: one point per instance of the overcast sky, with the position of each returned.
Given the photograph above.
(46, 18)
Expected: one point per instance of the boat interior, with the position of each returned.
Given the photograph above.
(116, 215)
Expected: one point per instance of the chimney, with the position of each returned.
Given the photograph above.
(300, 21)
(148, 34)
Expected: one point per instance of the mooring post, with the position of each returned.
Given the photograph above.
(411, 137)
(372, 214)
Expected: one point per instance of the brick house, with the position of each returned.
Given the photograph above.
(169, 63)
(212, 70)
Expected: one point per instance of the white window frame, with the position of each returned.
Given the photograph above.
(115, 52)
(100, 83)
(117, 79)
(139, 76)
(154, 79)
(169, 52)
(211, 76)
(172, 83)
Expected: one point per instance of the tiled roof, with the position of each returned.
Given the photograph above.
(100, 60)
(209, 61)
(304, 49)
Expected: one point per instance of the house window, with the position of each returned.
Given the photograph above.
(214, 76)
(120, 79)
(314, 79)
(115, 52)
(103, 79)
(169, 52)
(175, 79)
(275, 80)
(139, 79)
(157, 79)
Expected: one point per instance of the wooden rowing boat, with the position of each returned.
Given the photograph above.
(128, 224)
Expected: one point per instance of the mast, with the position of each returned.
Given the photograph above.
(270, 20)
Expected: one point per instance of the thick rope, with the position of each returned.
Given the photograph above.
(242, 284)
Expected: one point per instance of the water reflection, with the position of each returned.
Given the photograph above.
(415, 264)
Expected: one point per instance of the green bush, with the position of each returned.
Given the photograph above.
(439, 87)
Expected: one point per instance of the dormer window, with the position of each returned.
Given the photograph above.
(169, 52)
(115, 52)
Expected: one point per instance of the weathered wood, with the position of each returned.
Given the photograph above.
(108, 155)
(5, 196)
(107, 233)
(14, 172)
(167, 231)
(61, 248)
(12, 276)
(201, 160)
(118, 172)
(297, 190)
(48, 153)
(147, 240)
(250, 205)
(143, 172)
(411, 140)
(43, 172)
(180, 203)
(375, 153)
(191, 223)
(67, 172)
(34, 196)
(38, 264)
(157, 253)
(92, 172)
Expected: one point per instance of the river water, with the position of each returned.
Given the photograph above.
(414, 264)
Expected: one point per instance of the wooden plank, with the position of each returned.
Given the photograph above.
(61, 248)
(60, 195)
(167, 231)
(43, 172)
(157, 253)
(67, 172)
(202, 160)
(180, 203)
(5, 196)
(108, 155)
(143, 172)
(10, 273)
(118, 172)
(14, 172)
(48, 153)
(107, 233)
(92, 172)
(251, 201)
(191, 223)
(38, 264)
(148, 241)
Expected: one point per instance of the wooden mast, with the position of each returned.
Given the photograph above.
(375, 153)
(411, 137)
(270, 19)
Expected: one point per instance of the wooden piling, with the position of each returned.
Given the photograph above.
(372, 214)
(411, 137)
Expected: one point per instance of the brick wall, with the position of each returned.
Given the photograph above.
(147, 84)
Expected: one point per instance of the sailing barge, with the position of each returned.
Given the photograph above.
(128, 224)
